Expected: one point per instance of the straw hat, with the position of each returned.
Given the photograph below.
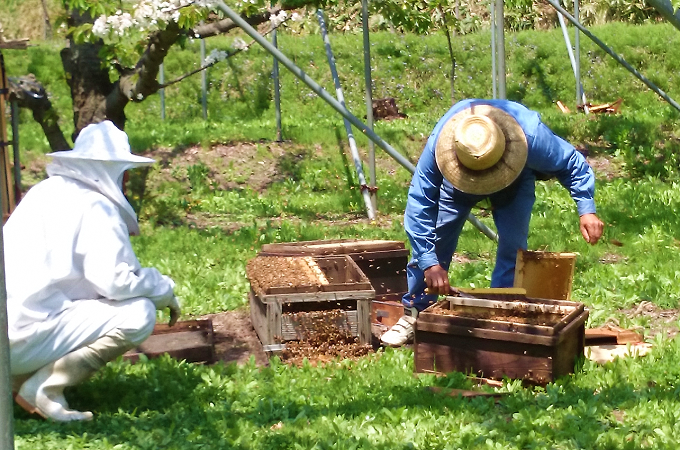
(103, 142)
(481, 150)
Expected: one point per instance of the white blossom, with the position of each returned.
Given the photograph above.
(100, 28)
(295, 17)
(215, 56)
(278, 19)
(239, 44)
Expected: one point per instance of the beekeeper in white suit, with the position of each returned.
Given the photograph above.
(77, 297)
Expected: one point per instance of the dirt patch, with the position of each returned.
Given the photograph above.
(227, 166)
(236, 339)
(655, 320)
(605, 167)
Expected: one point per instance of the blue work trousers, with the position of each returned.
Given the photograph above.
(511, 209)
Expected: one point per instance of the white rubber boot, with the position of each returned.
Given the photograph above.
(43, 392)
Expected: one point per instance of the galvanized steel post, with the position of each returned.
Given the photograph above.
(369, 102)
(500, 49)
(161, 79)
(277, 90)
(348, 127)
(204, 83)
(6, 405)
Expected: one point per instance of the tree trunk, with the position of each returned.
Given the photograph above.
(29, 93)
(89, 81)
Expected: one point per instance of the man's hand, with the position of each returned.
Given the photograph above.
(175, 310)
(437, 280)
(591, 228)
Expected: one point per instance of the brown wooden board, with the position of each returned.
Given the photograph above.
(611, 335)
(191, 340)
(386, 313)
(531, 316)
(330, 247)
(444, 345)
(7, 194)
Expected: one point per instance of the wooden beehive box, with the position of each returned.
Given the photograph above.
(536, 340)
(282, 286)
(190, 340)
(382, 261)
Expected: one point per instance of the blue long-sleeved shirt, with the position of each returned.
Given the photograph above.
(547, 153)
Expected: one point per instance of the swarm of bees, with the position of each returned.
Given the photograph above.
(324, 336)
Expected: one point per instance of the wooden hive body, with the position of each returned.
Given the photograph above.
(382, 261)
(536, 340)
(274, 309)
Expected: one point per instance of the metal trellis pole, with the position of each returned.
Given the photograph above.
(277, 90)
(14, 108)
(369, 101)
(494, 75)
(574, 63)
(500, 50)
(6, 405)
(161, 75)
(580, 95)
(204, 83)
(348, 127)
(321, 92)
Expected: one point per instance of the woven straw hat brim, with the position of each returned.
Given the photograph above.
(496, 177)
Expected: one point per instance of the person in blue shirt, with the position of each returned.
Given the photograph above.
(483, 149)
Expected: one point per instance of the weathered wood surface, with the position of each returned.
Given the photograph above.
(442, 344)
(272, 315)
(330, 247)
(7, 196)
(386, 313)
(545, 275)
(191, 340)
(611, 335)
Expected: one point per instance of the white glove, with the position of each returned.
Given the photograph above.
(175, 310)
(163, 293)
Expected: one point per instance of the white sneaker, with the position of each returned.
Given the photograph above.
(401, 333)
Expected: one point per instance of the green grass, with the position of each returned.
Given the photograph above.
(376, 402)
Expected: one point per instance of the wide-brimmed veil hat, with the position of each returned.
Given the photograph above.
(100, 156)
(481, 150)
(103, 142)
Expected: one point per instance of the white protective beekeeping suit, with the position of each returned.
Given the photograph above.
(77, 296)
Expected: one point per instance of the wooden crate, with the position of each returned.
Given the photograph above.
(382, 261)
(273, 312)
(485, 338)
(190, 340)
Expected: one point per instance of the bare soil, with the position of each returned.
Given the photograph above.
(237, 342)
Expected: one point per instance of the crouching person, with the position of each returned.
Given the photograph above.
(77, 297)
